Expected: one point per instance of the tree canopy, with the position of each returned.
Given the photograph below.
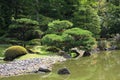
(27, 19)
(68, 38)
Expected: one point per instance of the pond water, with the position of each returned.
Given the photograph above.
(101, 66)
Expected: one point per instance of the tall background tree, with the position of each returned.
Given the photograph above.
(5, 15)
(24, 30)
(109, 13)
(100, 17)
(114, 17)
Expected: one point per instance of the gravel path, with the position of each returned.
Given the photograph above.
(28, 66)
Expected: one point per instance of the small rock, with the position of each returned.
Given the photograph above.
(86, 53)
(44, 70)
(79, 53)
(64, 54)
(63, 71)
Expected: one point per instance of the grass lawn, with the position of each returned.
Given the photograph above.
(39, 49)
(28, 56)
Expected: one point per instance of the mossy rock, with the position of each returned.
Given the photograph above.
(13, 52)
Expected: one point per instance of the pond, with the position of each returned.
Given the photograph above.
(101, 66)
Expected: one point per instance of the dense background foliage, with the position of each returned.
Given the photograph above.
(25, 20)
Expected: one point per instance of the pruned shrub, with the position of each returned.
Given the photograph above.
(24, 29)
(57, 26)
(33, 34)
(53, 49)
(70, 38)
(34, 42)
(77, 37)
(13, 52)
(52, 40)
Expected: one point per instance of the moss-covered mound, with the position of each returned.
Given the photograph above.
(14, 52)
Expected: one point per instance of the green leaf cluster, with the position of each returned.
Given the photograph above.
(58, 26)
(24, 29)
(26, 21)
(69, 38)
(87, 18)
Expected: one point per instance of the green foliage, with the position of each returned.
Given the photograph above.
(53, 49)
(110, 18)
(33, 34)
(115, 2)
(17, 21)
(34, 42)
(78, 32)
(27, 21)
(4, 40)
(58, 26)
(117, 40)
(2, 49)
(73, 54)
(80, 38)
(2, 24)
(25, 29)
(24, 22)
(85, 14)
(86, 18)
(14, 52)
(43, 22)
(62, 9)
(114, 20)
(70, 38)
(42, 50)
(103, 44)
(5, 15)
(52, 40)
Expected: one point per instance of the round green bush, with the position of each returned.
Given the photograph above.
(14, 52)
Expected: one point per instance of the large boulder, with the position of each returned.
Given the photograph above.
(44, 68)
(86, 53)
(79, 53)
(63, 71)
(64, 54)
